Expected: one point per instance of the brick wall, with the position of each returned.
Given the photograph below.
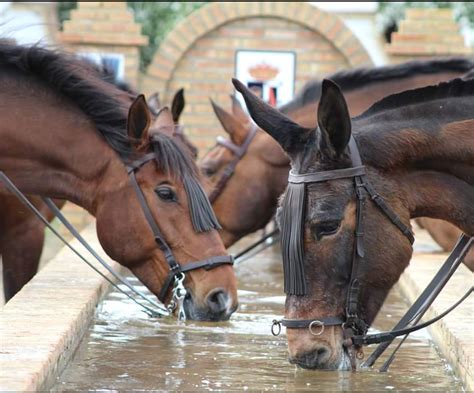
(427, 33)
(199, 54)
(208, 67)
(105, 27)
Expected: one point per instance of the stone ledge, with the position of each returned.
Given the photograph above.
(454, 334)
(41, 327)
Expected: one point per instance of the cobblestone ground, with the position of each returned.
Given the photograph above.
(77, 216)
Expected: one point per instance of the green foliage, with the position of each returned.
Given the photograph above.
(156, 18)
(63, 8)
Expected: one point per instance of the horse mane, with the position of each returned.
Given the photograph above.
(454, 88)
(82, 83)
(359, 77)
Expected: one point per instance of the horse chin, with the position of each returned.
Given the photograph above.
(307, 363)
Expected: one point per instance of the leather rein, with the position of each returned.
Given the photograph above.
(239, 151)
(176, 275)
(354, 327)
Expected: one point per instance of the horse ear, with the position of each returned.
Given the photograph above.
(154, 103)
(177, 105)
(139, 118)
(237, 109)
(333, 116)
(291, 136)
(163, 123)
(230, 123)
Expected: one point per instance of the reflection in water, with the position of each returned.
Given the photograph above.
(125, 350)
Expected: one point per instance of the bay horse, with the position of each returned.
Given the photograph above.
(22, 234)
(249, 198)
(68, 134)
(418, 151)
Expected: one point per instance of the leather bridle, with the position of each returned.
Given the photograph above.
(239, 151)
(354, 327)
(177, 272)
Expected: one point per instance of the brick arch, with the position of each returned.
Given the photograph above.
(214, 15)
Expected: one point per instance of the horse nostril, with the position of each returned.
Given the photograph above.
(217, 301)
(322, 351)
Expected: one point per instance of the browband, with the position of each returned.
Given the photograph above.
(317, 177)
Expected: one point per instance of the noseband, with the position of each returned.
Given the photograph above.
(239, 151)
(177, 272)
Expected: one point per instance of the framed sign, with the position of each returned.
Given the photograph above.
(269, 74)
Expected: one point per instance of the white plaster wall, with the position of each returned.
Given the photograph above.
(28, 22)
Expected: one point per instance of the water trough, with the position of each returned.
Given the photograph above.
(48, 328)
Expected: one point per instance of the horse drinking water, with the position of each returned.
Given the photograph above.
(354, 185)
(67, 134)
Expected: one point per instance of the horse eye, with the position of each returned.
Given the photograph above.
(326, 228)
(208, 171)
(166, 194)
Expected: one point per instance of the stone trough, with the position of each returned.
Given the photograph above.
(42, 326)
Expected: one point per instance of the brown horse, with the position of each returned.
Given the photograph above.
(177, 106)
(446, 235)
(22, 234)
(418, 150)
(249, 199)
(67, 134)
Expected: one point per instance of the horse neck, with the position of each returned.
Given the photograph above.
(429, 166)
(52, 149)
(362, 97)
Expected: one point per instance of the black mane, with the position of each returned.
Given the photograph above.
(78, 81)
(454, 88)
(353, 79)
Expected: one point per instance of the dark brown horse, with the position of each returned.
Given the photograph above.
(249, 199)
(418, 150)
(67, 134)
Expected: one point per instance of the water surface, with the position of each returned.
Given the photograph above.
(124, 349)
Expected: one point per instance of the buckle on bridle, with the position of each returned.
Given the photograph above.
(319, 324)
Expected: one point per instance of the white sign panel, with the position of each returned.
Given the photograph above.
(269, 74)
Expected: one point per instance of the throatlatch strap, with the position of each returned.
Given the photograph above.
(382, 205)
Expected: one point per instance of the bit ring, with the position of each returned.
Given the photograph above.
(276, 323)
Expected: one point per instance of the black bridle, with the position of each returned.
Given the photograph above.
(354, 327)
(177, 272)
(239, 151)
